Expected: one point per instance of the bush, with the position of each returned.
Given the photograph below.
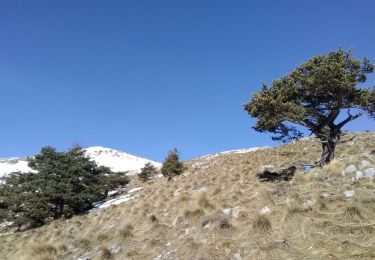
(63, 184)
(172, 165)
(147, 171)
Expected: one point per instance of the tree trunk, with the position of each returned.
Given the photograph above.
(328, 152)
(329, 141)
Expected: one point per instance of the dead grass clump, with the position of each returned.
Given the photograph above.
(105, 254)
(204, 202)
(184, 198)
(102, 238)
(334, 168)
(262, 224)
(299, 178)
(352, 213)
(44, 251)
(193, 213)
(126, 231)
(84, 244)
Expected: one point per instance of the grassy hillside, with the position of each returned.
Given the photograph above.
(220, 210)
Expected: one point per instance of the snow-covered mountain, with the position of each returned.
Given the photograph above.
(116, 160)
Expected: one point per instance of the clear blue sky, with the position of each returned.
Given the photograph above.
(147, 76)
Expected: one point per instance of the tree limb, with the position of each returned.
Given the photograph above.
(348, 119)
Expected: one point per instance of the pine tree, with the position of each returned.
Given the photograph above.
(63, 184)
(147, 171)
(172, 165)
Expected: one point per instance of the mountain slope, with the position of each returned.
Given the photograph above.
(116, 160)
(219, 209)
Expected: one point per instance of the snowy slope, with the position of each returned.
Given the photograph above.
(116, 160)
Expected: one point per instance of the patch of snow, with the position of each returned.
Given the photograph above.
(116, 160)
(8, 165)
(238, 151)
(135, 189)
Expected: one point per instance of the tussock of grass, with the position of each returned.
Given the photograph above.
(262, 224)
(125, 232)
(105, 254)
(352, 213)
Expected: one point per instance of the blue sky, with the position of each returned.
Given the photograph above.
(147, 76)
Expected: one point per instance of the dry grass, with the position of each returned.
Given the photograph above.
(308, 218)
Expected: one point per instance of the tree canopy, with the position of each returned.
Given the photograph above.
(172, 165)
(312, 96)
(62, 184)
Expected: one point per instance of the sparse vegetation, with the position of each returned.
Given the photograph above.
(304, 218)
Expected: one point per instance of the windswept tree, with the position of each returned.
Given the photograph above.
(313, 96)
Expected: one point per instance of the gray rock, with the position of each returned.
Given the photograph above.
(369, 173)
(237, 256)
(364, 164)
(349, 193)
(308, 203)
(350, 169)
(232, 212)
(116, 249)
(189, 231)
(327, 195)
(358, 175)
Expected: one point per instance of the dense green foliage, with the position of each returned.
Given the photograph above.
(172, 165)
(312, 96)
(62, 184)
(147, 171)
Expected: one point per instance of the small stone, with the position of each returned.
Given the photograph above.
(206, 223)
(349, 193)
(369, 173)
(365, 164)
(189, 231)
(265, 210)
(358, 175)
(308, 203)
(231, 212)
(350, 169)
(116, 249)
(327, 195)
(237, 256)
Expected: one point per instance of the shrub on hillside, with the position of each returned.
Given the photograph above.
(172, 165)
(62, 184)
(147, 171)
